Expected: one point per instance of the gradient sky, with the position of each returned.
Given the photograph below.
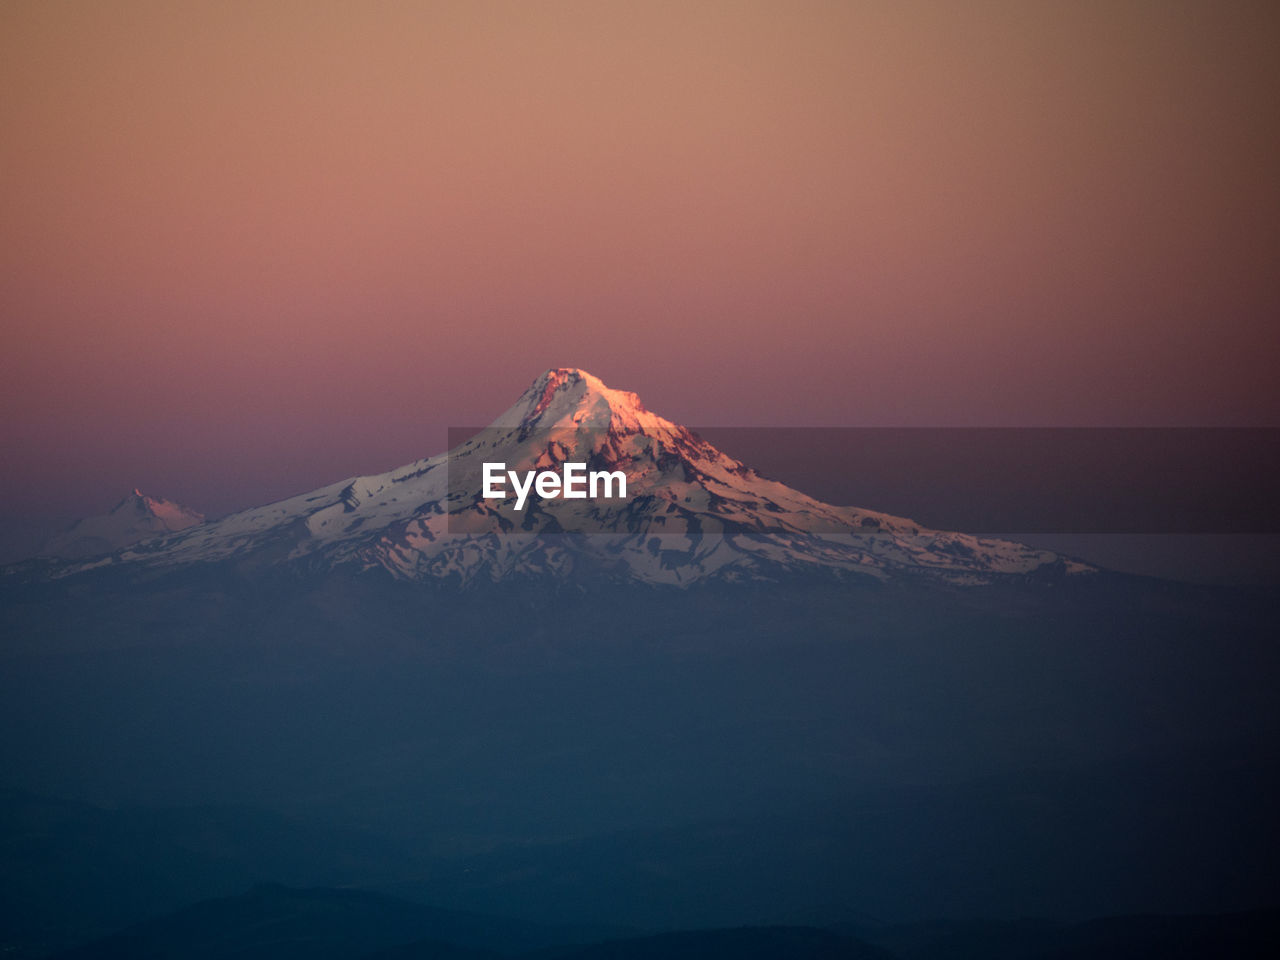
(248, 248)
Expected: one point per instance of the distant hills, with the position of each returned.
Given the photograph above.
(272, 922)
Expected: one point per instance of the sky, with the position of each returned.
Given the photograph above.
(250, 248)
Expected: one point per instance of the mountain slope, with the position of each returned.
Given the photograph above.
(692, 513)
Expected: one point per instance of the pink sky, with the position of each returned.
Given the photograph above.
(249, 248)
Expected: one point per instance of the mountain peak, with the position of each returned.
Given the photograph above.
(169, 516)
(136, 518)
(583, 386)
(572, 397)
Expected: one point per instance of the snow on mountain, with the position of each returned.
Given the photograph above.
(692, 513)
(134, 519)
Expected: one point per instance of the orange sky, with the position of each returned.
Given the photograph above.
(248, 248)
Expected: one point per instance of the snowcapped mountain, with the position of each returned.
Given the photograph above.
(134, 519)
(692, 513)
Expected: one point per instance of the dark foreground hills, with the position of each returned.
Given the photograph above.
(272, 922)
(629, 757)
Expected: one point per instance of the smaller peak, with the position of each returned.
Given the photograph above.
(134, 501)
(137, 501)
(173, 515)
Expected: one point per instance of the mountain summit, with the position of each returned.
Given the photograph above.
(692, 513)
(568, 391)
